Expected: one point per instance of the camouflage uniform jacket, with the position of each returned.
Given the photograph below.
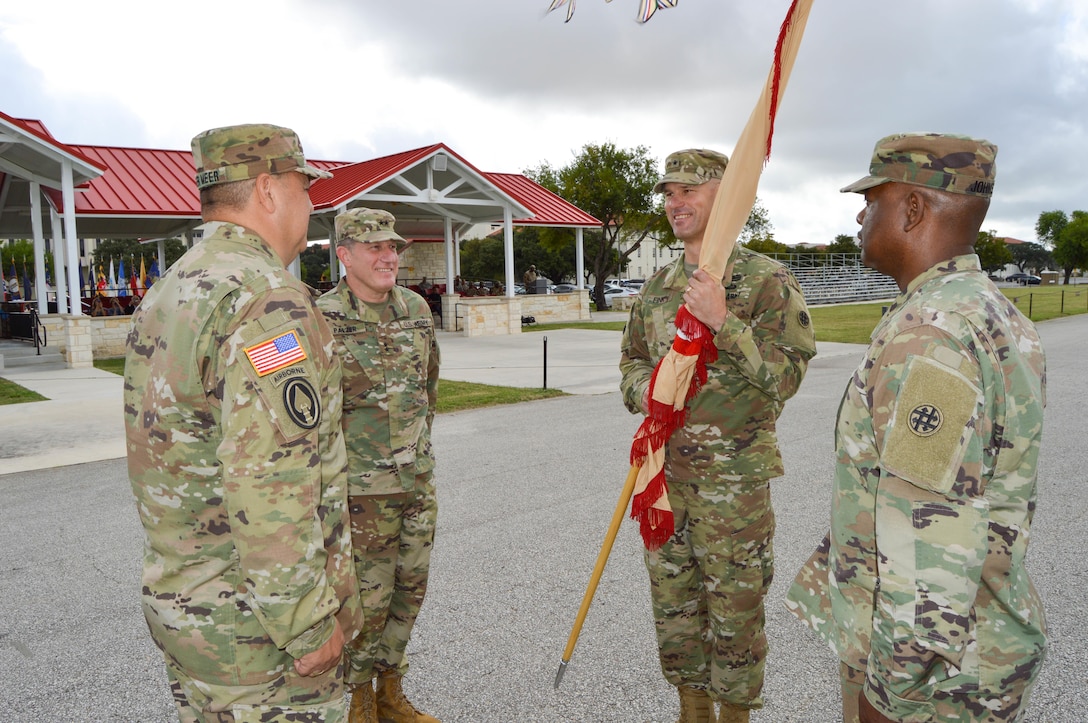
(763, 353)
(390, 359)
(922, 583)
(239, 478)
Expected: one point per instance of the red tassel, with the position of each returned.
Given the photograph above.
(656, 528)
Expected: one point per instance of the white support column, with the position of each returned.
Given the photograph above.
(39, 246)
(579, 258)
(68, 194)
(508, 249)
(451, 244)
(60, 263)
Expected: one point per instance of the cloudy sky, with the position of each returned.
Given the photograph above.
(509, 87)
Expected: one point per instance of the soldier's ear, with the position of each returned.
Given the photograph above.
(915, 209)
(264, 191)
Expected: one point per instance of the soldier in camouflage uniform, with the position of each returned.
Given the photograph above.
(386, 341)
(709, 580)
(920, 586)
(235, 452)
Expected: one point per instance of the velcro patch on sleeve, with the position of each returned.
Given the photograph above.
(275, 353)
(929, 429)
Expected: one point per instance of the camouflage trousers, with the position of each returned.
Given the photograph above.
(1005, 707)
(286, 696)
(392, 537)
(707, 584)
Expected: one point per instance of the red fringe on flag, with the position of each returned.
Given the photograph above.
(777, 75)
(693, 338)
(656, 526)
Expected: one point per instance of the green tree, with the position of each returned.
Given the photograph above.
(1049, 227)
(758, 227)
(482, 258)
(767, 245)
(616, 186)
(844, 244)
(1030, 255)
(314, 265)
(1071, 247)
(993, 252)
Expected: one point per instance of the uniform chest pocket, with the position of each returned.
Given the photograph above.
(362, 367)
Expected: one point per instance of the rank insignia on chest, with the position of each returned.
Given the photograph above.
(275, 354)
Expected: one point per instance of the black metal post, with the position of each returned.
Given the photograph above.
(545, 361)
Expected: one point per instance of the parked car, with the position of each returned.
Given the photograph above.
(1023, 279)
(563, 288)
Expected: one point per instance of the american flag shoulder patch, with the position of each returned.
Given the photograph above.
(276, 353)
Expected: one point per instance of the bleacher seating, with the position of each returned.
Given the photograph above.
(838, 279)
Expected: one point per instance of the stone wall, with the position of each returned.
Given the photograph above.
(549, 308)
(423, 258)
(493, 315)
(106, 336)
(488, 315)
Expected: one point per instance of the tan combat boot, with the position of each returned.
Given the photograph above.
(394, 707)
(695, 706)
(363, 708)
(730, 713)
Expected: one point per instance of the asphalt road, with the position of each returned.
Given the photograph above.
(525, 495)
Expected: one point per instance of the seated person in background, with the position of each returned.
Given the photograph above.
(98, 308)
(498, 289)
(115, 308)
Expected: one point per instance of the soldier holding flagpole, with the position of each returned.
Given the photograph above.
(709, 576)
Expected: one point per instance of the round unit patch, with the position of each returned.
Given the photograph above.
(803, 319)
(925, 420)
(300, 403)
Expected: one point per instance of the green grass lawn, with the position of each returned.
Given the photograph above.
(12, 393)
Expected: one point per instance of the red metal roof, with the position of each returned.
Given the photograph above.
(149, 182)
(139, 182)
(549, 208)
(37, 129)
(351, 179)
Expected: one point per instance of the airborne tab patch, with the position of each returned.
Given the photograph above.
(275, 354)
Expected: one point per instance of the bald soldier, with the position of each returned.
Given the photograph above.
(709, 579)
(921, 585)
(386, 340)
(236, 454)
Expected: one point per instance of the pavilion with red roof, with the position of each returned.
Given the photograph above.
(110, 192)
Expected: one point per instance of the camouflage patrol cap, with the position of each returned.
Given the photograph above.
(237, 153)
(957, 164)
(366, 225)
(693, 167)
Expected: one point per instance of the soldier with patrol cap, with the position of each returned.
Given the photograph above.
(236, 454)
(708, 581)
(385, 339)
(921, 586)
